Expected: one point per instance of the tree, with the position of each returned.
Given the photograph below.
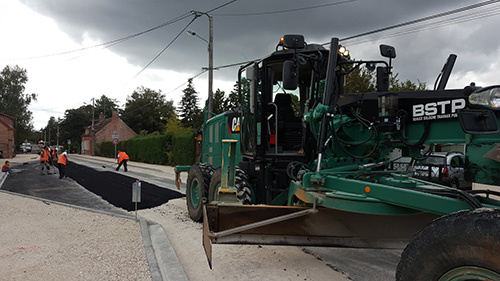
(174, 126)
(106, 106)
(14, 101)
(233, 100)
(361, 80)
(51, 130)
(219, 102)
(398, 86)
(147, 110)
(189, 111)
(72, 126)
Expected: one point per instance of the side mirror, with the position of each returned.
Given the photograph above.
(294, 41)
(290, 75)
(387, 51)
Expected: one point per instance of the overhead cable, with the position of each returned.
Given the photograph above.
(428, 18)
(285, 11)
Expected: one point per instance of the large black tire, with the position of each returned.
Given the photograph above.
(197, 185)
(240, 183)
(463, 244)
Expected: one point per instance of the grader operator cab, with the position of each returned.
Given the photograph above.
(311, 165)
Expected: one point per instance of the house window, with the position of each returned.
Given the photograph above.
(85, 145)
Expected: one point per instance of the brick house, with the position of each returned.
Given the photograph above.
(104, 129)
(7, 133)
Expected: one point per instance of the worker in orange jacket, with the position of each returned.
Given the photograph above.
(122, 159)
(44, 160)
(52, 158)
(62, 162)
(6, 168)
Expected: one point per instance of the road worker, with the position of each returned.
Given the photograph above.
(122, 159)
(44, 160)
(52, 158)
(6, 168)
(62, 162)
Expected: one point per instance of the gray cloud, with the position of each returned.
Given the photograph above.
(242, 31)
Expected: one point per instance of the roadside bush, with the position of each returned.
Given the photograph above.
(165, 149)
(107, 148)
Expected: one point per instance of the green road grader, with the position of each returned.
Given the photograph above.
(301, 162)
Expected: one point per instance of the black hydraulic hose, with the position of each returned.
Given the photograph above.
(487, 192)
(452, 193)
(422, 139)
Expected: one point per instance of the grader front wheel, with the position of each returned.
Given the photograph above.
(197, 188)
(461, 246)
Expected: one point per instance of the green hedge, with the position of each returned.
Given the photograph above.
(107, 148)
(166, 149)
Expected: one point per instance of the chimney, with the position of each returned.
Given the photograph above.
(115, 114)
(101, 117)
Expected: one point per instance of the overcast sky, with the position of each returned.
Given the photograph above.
(58, 42)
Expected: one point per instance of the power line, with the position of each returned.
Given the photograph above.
(221, 6)
(205, 70)
(112, 42)
(489, 12)
(193, 13)
(166, 47)
(285, 11)
(428, 18)
(193, 77)
(196, 15)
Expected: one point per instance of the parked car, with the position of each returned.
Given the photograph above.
(25, 147)
(446, 168)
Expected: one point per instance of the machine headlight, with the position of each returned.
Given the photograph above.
(488, 97)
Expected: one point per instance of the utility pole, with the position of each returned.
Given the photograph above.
(93, 133)
(210, 67)
(210, 59)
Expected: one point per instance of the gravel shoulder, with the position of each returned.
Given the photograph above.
(234, 262)
(44, 241)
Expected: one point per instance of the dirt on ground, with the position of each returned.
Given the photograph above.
(234, 262)
(44, 241)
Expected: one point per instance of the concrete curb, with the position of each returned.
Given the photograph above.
(2, 178)
(154, 269)
(170, 267)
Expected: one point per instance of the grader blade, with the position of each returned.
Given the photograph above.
(278, 225)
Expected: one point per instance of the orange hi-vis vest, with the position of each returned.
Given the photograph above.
(44, 156)
(62, 159)
(122, 156)
(54, 154)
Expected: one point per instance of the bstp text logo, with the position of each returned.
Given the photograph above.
(437, 110)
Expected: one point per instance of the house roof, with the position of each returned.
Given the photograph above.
(98, 126)
(5, 124)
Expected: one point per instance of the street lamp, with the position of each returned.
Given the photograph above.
(190, 32)
(210, 59)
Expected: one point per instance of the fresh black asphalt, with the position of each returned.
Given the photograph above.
(115, 188)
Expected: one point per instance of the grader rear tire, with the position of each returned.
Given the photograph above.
(461, 246)
(240, 183)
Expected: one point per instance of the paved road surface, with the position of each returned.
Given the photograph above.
(97, 185)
